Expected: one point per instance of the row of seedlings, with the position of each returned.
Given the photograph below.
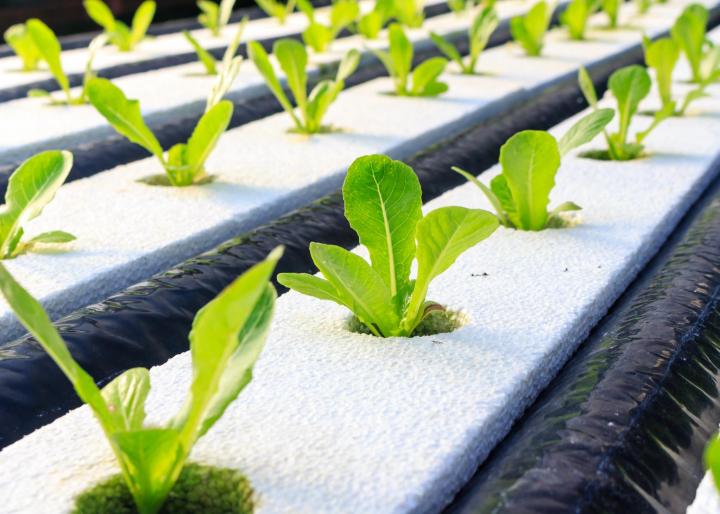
(239, 190)
(471, 340)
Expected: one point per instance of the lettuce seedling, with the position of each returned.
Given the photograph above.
(408, 13)
(184, 163)
(712, 459)
(215, 17)
(207, 59)
(629, 85)
(319, 36)
(293, 60)
(19, 39)
(278, 10)
(226, 339)
(612, 9)
(530, 160)
(529, 29)
(575, 17)
(383, 203)
(689, 32)
(123, 37)
(49, 47)
(479, 34)
(423, 80)
(661, 56)
(460, 6)
(31, 187)
(370, 24)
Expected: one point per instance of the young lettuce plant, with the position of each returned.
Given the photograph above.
(370, 24)
(293, 59)
(423, 80)
(612, 9)
(226, 339)
(460, 6)
(712, 459)
(184, 163)
(530, 160)
(629, 85)
(529, 29)
(206, 58)
(123, 37)
(575, 17)
(479, 34)
(278, 10)
(19, 39)
(689, 32)
(30, 188)
(408, 13)
(215, 17)
(662, 56)
(319, 36)
(384, 206)
(49, 47)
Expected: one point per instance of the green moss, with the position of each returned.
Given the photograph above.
(437, 322)
(604, 155)
(164, 181)
(199, 490)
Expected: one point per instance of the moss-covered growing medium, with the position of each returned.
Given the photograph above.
(199, 490)
(436, 322)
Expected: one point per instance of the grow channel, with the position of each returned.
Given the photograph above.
(165, 50)
(37, 125)
(162, 226)
(396, 425)
(624, 425)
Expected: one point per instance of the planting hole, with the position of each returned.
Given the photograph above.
(437, 322)
(199, 490)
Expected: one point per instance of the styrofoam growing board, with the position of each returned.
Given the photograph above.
(336, 422)
(128, 231)
(170, 92)
(159, 46)
(707, 499)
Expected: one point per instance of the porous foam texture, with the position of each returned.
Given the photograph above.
(127, 231)
(707, 499)
(338, 422)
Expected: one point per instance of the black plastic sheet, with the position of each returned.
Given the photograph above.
(623, 426)
(148, 323)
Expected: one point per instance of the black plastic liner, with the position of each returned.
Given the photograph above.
(165, 61)
(113, 150)
(148, 323)
(623, 426)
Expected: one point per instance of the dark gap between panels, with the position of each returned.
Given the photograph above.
(147, 324)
